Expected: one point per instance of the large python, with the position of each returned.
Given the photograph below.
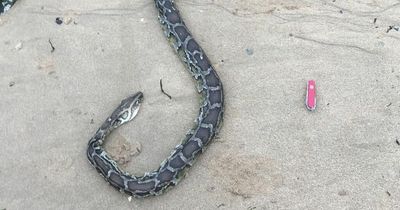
(172, 169)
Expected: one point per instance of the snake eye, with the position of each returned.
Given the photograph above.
(124, 115)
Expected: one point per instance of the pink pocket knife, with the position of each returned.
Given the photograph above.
(311, 100)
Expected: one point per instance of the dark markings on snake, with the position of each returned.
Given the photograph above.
(208, 122)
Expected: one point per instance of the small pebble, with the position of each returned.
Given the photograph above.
(249, 51)
(67, 20)
(59, 20)
(18, 46)
(210, 189)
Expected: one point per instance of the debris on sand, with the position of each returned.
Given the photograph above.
(19, 46)
(52, 46)
(249, 51)
(162, 90)
(393, 27)
(121, 150)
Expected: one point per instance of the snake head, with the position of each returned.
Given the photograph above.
(127, 110)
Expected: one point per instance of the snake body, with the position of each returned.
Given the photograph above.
(5, 5)
(172, 169)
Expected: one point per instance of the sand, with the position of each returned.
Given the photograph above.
(271, 152)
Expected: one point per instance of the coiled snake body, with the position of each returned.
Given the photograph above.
(208, 121)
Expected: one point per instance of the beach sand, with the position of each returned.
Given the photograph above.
(271, 153)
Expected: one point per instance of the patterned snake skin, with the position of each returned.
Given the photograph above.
(208, 121)
(5, 5)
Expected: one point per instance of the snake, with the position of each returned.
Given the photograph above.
(5, 5)
(207, 123)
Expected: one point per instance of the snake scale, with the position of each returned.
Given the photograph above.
(173, 168)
